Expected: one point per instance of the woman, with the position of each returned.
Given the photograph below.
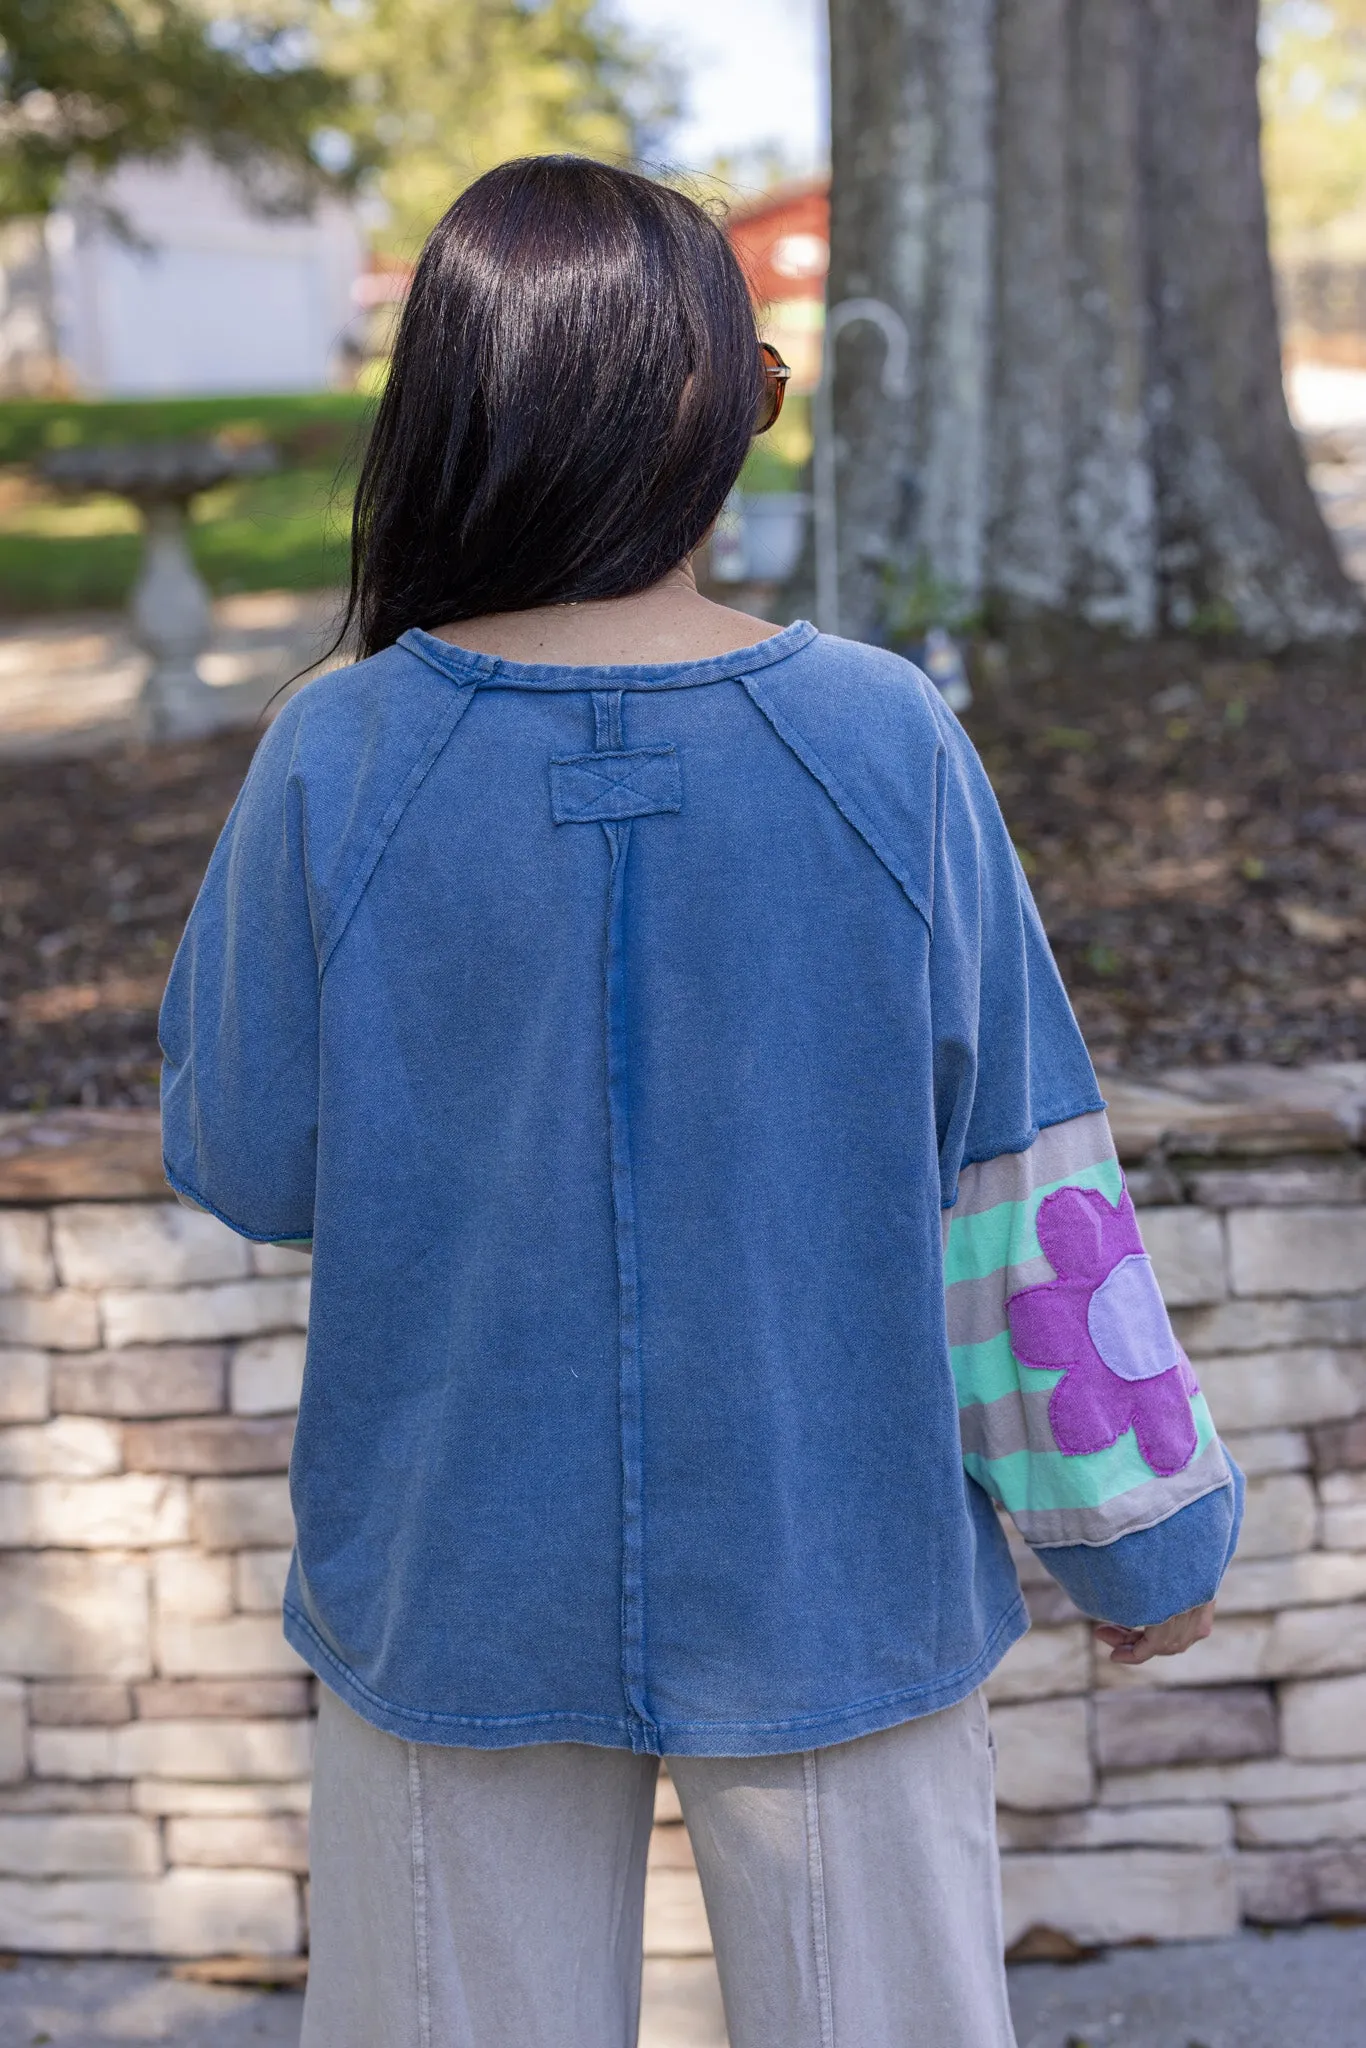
(620, 995)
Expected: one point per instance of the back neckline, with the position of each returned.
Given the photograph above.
(497, 672)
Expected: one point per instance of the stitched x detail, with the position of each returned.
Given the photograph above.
(617, 779)
(598, 788)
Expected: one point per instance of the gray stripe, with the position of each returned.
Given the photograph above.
(1017, 1422)
(1141, 1508)
(976, 1309)
(1057, 1152)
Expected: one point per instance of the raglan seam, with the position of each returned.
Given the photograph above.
(920, 899)
(349, 898)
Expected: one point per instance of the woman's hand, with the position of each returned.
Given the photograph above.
(1163, 1639)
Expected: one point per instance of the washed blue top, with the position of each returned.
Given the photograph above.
(618, 1037)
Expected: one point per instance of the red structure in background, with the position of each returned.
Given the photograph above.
(783, 244)
(781, 240)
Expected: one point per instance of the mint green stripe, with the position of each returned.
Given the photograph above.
(988, 1371)
(1006, 1235)
(1030, 1481)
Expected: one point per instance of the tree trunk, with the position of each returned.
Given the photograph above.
(1063, 200)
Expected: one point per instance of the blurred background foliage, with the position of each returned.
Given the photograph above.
(403, 102)
(442, 89)
(1313, 91)
(308, 428)
(86, 84)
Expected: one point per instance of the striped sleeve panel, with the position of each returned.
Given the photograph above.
(1079, 1412)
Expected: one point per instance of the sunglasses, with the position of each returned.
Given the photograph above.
(776, 374)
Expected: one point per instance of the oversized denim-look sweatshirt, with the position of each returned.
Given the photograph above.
(620, 1037)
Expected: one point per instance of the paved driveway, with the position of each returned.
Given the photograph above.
(1300, 1989)
(68, 681)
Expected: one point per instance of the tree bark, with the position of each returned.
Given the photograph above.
(884, 111)
(1027, 544)
(1063, 200)
(911, 223)
(1112, 482)
(1241, 533)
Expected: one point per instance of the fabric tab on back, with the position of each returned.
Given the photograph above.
(596, 789)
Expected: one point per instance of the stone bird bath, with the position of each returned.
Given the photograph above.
(170, 608)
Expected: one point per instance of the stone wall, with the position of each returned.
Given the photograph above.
(156, 1739)
(155, 1728)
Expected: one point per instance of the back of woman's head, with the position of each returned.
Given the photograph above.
(574, 386)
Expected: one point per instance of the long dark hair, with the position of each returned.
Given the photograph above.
(573, 390)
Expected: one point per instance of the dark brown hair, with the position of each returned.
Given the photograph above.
(573, 390)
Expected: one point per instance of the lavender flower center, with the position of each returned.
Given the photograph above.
(1128, 1323)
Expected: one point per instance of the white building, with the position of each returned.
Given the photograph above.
(203, 295)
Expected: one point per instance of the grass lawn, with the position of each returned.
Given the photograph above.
(281, 532)
(310, 426)
(285, 531)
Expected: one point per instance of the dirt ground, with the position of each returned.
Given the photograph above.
(1193, 822)
(1194, 826)
(100, 859)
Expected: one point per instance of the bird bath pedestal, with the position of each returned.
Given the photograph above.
(170, 608)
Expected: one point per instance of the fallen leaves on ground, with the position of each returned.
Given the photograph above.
(1194, 826)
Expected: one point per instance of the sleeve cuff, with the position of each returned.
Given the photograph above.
(1147, 1577)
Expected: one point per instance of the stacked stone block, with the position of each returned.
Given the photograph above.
(1171, 1801)
(155, 1729)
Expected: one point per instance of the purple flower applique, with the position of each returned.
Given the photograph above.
(1103, 1322)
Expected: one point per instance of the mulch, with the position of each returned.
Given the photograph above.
(100, 859)
(1193, 823)
(1194, 827)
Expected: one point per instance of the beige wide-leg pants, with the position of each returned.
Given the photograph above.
(467, 1898)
